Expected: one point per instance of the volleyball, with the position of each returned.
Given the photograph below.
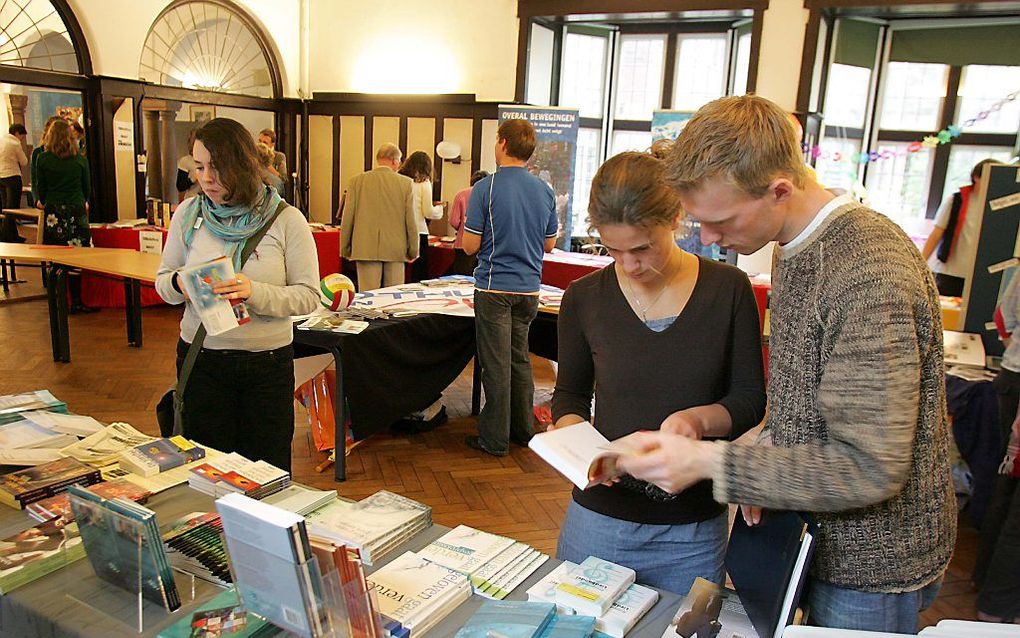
(336, 291)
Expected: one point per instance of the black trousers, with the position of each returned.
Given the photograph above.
(420, 266)
(10, 197)
(240, 401)
(997, 570)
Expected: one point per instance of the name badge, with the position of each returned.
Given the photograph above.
(198, 222)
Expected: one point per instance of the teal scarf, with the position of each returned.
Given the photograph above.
(233, 224)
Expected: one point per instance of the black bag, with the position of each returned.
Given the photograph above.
(170, 409)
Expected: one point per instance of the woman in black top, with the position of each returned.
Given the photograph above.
(663, 340)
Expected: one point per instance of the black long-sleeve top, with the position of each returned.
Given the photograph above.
(710, 354)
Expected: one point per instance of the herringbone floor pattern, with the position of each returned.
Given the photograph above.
(518, 495)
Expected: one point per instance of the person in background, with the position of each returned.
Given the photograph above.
(187, 173)
(463, 263)
(267, 136)
(955, 234)
(33, 161)
(379, 229)
(663, 340)
(857, 394)
(418, 166)
(511, 220)
(79, 136)
(239, 397)
(997, 569)
(63, 185)
(12, 162)
(269, 174)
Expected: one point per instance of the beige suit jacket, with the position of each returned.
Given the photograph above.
(378, 218)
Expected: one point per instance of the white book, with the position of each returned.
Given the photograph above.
(27, 433)
(544, 591)
(485, 574)
(578, 452)
(504, 585)
(271, 529)
(300, 499)
(369, 522)
(409, 588)
(465, 549)
(29, 456)
(626, 611)
(104, 447)
(67, 423)
(592, 587)
(218, 315)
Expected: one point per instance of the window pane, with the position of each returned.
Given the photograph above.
(963, 159)
(846, 98)
(582, 82)
(700, 70)
(898, 186)
(913, 96)
(631, 141)
(639, 78)
(837, 171)
(587, 162)
(983, 86)
(540, 62)
(742, 65)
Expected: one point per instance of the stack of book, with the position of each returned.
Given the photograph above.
(623, 614)
(123, 544)
(592, 587)
(510, 618)
(13, 404)
(102, 449)
(60, 505)
(495, 565)
(160, 455)
(19, 489)
(35, 437)
(234, 474)
(375, 525)
(194, 545)
(300, 499)
(273, 566)
(414, 594)
(36, 552)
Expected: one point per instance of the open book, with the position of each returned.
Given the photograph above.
(580, 453)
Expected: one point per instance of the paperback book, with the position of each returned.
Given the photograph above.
(375, 525)
(218, 315)
(300, 499)
(511, 619)
(416, 593)
(465, 549)
(19, 489)
(580, 453)
(104, 447)
(194, 545)
(710, 610)
(505, 581)
(160, 455)
(545, 589)
(60, 505)
(73, 424)
(37, 551)
(568, 626)
(12, 405)
(26, 433)
(224, 615)
(234, 474)
(592, 586)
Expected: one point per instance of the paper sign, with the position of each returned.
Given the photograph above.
(150, 241)
(1004, 202)
(124, 135)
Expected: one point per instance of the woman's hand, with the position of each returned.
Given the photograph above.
(751, 514)
(683, 423)
(671, 462)
(237, 288)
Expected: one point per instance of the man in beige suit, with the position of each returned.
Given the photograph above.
(379, 230)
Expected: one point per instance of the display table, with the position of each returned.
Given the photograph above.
(44, 608)
(560, 268)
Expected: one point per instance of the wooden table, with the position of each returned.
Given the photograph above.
(133, 266)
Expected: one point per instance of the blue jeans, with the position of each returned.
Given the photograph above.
(843, 608)
(502, 322)
(665, 556)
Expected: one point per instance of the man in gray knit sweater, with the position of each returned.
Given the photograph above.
(857, 414)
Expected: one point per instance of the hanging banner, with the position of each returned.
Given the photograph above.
(666, 125)
(554, 156)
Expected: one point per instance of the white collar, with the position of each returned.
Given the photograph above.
(820, 216)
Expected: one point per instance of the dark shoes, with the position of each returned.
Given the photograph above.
(81, 309)
(475, 443)
(521, 441)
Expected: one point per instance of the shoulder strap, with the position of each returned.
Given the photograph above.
(196, 343)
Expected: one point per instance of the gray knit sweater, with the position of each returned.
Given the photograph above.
(857, 409)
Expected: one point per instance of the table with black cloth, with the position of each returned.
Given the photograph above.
(974, 408)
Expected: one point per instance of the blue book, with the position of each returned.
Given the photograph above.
(509, 619)
(569, 626)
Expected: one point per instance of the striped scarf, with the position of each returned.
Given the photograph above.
(234, 224)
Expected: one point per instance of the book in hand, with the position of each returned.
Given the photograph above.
(160, 455)
(580, 453)
(123, 544)
(592, 586)
(768, 564)
(218, 315)
(510, 619)
(710, 610)
(19, 489)
(37, 551)
(416, 593)
(60, 505)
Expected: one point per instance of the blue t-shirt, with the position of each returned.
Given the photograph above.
(513, 228)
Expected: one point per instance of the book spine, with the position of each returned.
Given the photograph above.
(51, 490)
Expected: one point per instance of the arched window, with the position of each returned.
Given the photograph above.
(34, 34)
(212, 46)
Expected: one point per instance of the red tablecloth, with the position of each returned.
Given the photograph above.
(107, 292)
(559, 268)
(441, 256)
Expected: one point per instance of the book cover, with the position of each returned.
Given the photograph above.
(545, 589)
(217, 314)
(503, 584)
(580, 453)
(465, 549)
(369, 523)
(592, 587)
(710, 610)
(160, 455)
(409, 589)
(195, 545)
(627, 610)
(60, 505)
(104, 447)
(484, 575)
(567, 626)
(37, 551)
(228, 599)
(510, 619)
(273, 530)
(24, 432)
(22, 487)
(12, 405)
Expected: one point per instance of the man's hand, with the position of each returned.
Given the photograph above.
(669, 461)
(237, 288)
(682, 423)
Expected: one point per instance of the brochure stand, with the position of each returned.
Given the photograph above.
(131, 582)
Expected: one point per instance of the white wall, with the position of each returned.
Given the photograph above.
(419, 46)
(781, 46)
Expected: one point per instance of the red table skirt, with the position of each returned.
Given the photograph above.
(102, 291)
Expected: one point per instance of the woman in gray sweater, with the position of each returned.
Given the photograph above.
(239, 397)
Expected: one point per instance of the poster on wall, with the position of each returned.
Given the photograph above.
(555, 151)
(667, 125)
(124, 135)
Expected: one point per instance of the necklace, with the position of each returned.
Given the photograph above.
(643, 309)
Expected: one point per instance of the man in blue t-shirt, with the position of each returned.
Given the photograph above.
(511, 221)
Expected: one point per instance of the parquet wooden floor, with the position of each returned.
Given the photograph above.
(518, 495)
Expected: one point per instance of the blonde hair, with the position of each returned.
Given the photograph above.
(746, 140)
(58, 140)
(628, 189)
(266, 154)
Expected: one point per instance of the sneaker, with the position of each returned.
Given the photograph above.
(475, 443)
